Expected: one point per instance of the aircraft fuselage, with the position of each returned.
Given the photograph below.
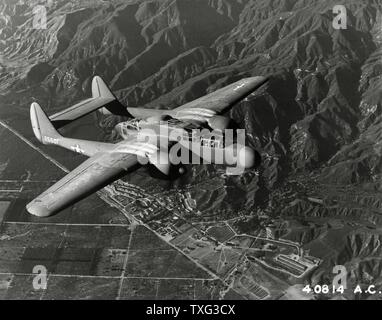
(176, 137)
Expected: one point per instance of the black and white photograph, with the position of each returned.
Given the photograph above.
(207, 151)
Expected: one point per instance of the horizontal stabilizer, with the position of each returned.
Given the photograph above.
(102, 97)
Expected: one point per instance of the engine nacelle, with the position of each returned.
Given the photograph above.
(160, 167)
(219, 122)
(161, 161)
(158, 118)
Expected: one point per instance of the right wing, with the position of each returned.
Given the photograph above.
(219, 101)
(92, 175)
(209, 108)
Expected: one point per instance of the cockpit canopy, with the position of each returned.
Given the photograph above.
(132, 124)
(125, 128)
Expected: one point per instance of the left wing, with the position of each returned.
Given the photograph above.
(92, 175)
(107, 163)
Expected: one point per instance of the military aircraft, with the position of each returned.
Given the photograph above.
(109, 161)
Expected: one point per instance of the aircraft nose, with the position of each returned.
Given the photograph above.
(247, 157)
(118, 128)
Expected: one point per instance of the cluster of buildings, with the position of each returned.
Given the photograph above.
(297, 264)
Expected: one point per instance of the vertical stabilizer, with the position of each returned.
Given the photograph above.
(42, 127)
(100, 89)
